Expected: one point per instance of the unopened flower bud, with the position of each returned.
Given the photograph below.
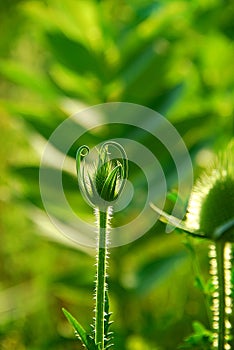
(103, 181)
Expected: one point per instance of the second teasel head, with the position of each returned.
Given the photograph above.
(211, 204)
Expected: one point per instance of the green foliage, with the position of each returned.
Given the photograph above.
(80, 332)
(58, 57)
(153, 272)
(200, 339)
(108, 334)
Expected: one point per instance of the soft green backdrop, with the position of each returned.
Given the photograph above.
(58, 56)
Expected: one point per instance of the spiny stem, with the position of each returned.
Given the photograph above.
(103, 217)
(220, 261)
(198, 274)
(220, 246)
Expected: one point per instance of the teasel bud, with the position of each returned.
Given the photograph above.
(211, 204)
(210, 214)
(103, 181)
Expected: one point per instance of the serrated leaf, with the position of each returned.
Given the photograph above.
(107, 324)
(87, 341)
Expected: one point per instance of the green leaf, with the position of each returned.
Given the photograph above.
(199, 283)
(81, 60)
(30, 176)
(43, 119)
(107, 324)
(200, 339)
(166, 98)
(22, 76)
(87, 341)
(157, 270)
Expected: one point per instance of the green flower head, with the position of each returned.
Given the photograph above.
(210, 212)
(211, 204)
(102, 182)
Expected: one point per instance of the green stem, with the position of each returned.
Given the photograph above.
(198, 274)
(101, 278)
(220, 246)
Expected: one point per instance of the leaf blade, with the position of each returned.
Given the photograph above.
(82, 334)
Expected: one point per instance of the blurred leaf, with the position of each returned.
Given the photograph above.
(81, 60)
(18, 301)
(30, 176)
(156, 271)
(47, 230)
(200, 339)
(20, 75)
(70, 280)
(167, 98)
(74, 85)
(141, 73)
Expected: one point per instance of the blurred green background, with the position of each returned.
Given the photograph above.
(57, 57)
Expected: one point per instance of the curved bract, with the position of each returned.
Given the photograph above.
(102, 182)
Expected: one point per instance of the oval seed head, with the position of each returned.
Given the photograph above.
(103, 181)
(211, 205)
